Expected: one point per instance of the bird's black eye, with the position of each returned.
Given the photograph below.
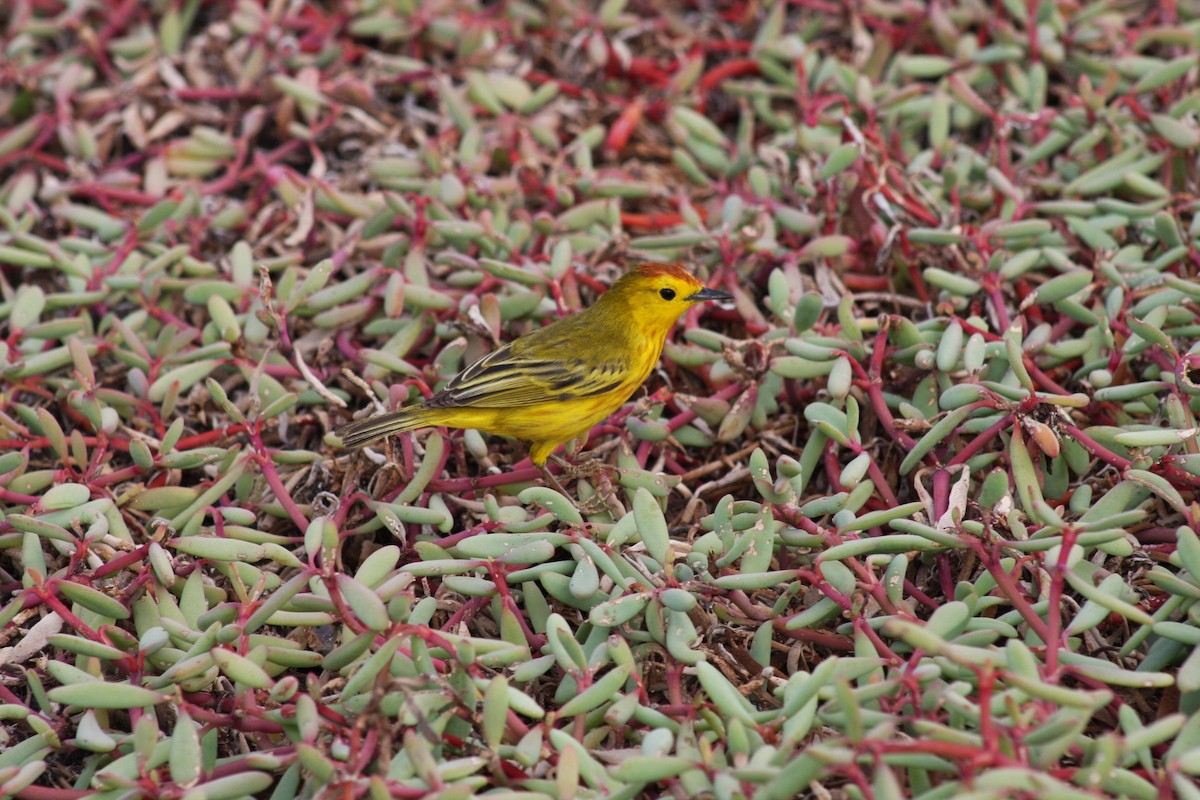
(666, 294)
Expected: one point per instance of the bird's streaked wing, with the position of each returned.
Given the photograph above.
(504, 379)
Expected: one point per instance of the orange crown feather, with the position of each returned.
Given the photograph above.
(653, 269)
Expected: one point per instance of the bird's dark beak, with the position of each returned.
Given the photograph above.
(708, 294)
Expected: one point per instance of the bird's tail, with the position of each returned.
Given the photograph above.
(365, 431)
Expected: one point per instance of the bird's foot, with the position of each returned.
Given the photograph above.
(585, 466)
(590, 467)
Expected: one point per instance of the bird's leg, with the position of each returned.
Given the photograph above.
(553, 481)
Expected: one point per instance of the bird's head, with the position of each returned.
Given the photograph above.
(657, 294)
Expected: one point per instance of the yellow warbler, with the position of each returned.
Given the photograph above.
(556, 383)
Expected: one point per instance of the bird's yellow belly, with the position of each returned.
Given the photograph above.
(556, 421)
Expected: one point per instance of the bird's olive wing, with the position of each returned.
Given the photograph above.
(504, 379)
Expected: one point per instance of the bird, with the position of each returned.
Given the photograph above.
(553, 384)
